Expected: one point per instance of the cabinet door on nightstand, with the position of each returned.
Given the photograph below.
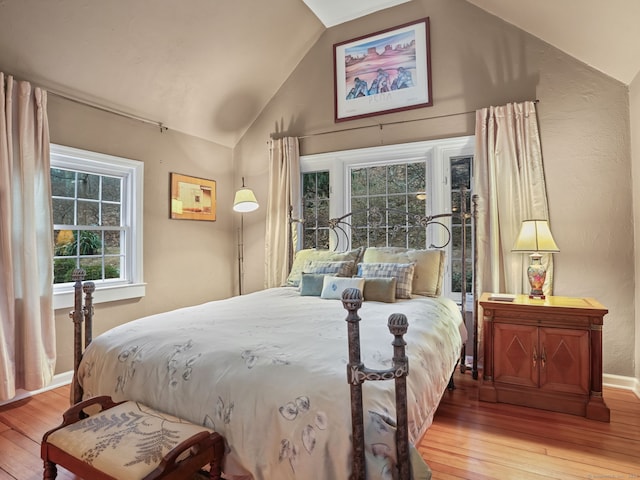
(515, 354)
(564, 365)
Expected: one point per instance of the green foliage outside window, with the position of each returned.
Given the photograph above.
(89, 243)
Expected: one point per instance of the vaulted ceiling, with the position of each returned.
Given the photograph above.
(207, 68)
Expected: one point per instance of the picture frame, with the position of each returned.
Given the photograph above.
(384, 72)
(192, 198)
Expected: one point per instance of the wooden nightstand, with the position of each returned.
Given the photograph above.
(544, 354)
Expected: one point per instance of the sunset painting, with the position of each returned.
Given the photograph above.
(384, 72)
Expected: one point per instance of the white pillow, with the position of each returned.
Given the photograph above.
(332, 287)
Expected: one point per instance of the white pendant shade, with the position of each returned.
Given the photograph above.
(245, 201)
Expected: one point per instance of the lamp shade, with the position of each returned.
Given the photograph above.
(535, 236)
(245, 200)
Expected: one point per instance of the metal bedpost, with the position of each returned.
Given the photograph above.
(77, 315)
(88, 289)
(352, 301)
(474, 224)
(357, 374)
(463, 272)
(398, 327)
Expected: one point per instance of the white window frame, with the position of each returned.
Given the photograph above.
(132, 174)
(437, 154)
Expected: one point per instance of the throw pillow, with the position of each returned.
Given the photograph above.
(403, 272)
(333, 287)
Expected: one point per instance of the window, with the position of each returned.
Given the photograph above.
(315, 209)
(425, 178)
(97, 223)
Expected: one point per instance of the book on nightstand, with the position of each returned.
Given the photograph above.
(502, 297)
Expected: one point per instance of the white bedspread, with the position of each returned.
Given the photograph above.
(268, 371)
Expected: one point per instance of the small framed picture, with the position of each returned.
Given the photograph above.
(384, 72)
(192, 198)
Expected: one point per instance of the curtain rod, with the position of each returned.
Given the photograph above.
(107, 109)
(95, 105)
(399, 122)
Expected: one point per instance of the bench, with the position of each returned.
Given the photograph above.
(103, 440)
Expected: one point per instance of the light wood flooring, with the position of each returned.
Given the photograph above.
(468, 439)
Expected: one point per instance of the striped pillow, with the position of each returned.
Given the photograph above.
(403, 273)
(336, 268)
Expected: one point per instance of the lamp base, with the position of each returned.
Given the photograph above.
(537, 273)
(537, 297)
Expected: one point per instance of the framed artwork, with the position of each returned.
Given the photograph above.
(192, 198)
(387, 71)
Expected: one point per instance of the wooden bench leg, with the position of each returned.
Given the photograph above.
(215, 466)
(215, 470)
(50, 470)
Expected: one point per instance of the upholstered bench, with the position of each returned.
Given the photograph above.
(129, 441)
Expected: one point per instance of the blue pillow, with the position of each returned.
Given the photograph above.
(311, 284)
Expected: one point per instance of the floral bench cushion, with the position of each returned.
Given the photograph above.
(127, 441)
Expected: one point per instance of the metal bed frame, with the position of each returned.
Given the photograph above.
(357, 373)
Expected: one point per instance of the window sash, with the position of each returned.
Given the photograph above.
(130, 284)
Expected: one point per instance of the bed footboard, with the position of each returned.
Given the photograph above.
(357, 374)
(80, 314)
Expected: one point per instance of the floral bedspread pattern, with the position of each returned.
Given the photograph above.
(268, 371)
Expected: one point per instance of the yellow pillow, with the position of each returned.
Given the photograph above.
(429, 266)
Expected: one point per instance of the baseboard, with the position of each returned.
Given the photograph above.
(618, 381)
(58, 381)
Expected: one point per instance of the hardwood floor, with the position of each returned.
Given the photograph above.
(478, 440)
(468, 439)
(22, 425)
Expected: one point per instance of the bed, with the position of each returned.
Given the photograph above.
(269, 370)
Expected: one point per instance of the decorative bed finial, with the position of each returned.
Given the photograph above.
(78, 275)
(89, 287)
(352, 299)
(398, 324)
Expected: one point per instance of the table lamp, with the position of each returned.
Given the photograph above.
(535, 237)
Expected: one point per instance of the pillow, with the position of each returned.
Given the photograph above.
(380, 289)
(311, 284)
(338, 269)
(403, 272)
(429, 270)
(302, 256)
(333, 287)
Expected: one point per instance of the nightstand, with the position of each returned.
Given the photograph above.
(544, 354)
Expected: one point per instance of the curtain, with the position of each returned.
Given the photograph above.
(284, 193)
(27, 328)
(509, 181)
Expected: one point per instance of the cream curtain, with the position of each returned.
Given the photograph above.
(27, 329)
(509, 180)
(284, 192)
